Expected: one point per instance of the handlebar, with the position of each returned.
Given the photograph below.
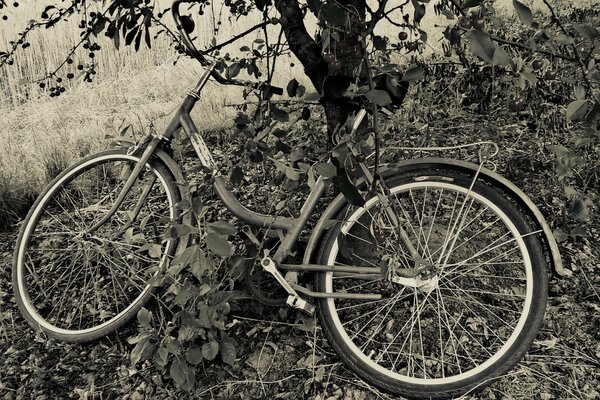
(193, 51)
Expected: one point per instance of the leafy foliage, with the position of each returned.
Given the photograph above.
(492, 62)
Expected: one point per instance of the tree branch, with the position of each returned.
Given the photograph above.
(301, 43)
(575, 51)
(523, 46)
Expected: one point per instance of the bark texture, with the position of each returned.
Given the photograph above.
(344, 44)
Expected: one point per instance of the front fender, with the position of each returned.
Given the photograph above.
(460, 166)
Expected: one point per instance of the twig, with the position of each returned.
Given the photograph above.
(575, 51)
(234, 38)
(523, 46)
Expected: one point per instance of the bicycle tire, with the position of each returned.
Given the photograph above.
(485, 317)
(75, 288)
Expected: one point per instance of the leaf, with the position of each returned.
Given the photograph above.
(578, 209)
(523, 12)
(178, 231)
(379, 43)
(260, 4)
(288, 171)
(143, 350)
(481, 44)
(588, 32)
(99, 25)
(219, 245)
(233, 70)
(350, 191)
(197, 205)
(577, 109)
(222, 227)
(547, 344)
(314, 6)
(194, 356)
(326, 170)
(188, 24)
(144, 318)
(564, 39)
(579, 92)
(210, 350)
(419, 11)
(147, 38)
(292, 87)
(332, 14)
(305, 114)
(279, 114)
(138, 40)
(529, 77)
(161, 357)
(312, 96)
(559, 151)
(183, 259)
(471, 3)
(131, 35)
(155, 251)
(560, 235)
(501, 57)
(182, 374)
(379, 97)
(413, 74)
(228, 350)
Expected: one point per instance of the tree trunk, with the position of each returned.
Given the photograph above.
(345, 47)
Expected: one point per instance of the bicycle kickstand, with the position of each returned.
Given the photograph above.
(294, 300)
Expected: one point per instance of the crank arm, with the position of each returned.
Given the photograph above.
(294, 300)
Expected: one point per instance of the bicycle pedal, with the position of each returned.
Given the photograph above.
(300, 304)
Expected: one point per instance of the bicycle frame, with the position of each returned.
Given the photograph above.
(292, 226)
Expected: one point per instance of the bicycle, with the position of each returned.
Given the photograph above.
(435, 286)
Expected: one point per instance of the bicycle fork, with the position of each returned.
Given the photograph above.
(141, 164)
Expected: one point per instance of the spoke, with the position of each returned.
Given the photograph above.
(451, 331)
(393, 300)
(437, 206)
(490, 330)
(418, 309)
(484, 306)
(475, 266)
(69, 215)
(474, 235)
(59, 222)
(460, 228)
(66, 292)
(68, 270)
(449, 232)
(453, 338)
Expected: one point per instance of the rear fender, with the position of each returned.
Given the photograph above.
(460, 166)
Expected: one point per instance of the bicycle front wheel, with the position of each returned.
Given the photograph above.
(460, 327)
(78, 286)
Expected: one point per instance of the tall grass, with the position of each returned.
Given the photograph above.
(39, 135)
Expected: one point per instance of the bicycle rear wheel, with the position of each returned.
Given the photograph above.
(472, 321)
(76, 286)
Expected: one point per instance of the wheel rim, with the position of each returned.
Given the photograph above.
(443, 341)
(103, 276)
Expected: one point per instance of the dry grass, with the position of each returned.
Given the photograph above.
(39, 135)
